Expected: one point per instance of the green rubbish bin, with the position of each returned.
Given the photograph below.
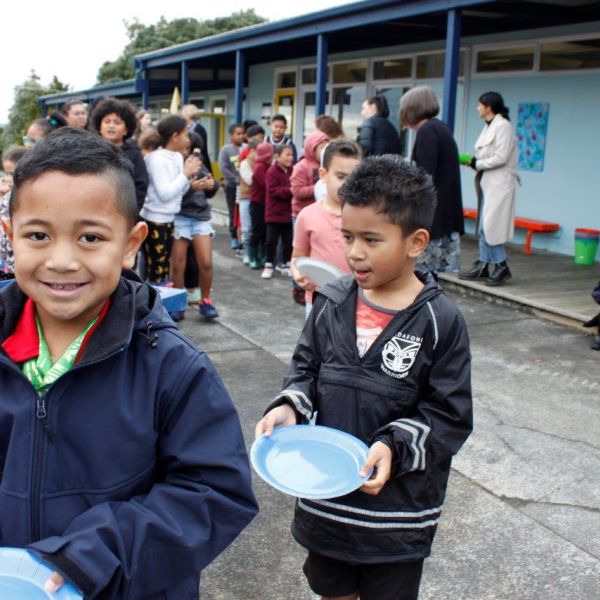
(586, 246)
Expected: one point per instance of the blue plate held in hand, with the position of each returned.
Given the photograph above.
(22, 577)
(310, 461)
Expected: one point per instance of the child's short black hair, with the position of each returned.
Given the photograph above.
(401, 191)
(277, 150)
(110, 106)
(235, 126)
(344, 148)
(14, 154)
(79, 152)
(279, 118)
(254, 130)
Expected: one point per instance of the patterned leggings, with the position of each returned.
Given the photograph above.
(158, 246)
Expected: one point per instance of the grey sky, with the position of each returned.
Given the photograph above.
(72, 39)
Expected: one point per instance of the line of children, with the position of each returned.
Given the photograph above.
(228, 164)
(384, 356)
(318, 231)
(122, 458)
(278, 210)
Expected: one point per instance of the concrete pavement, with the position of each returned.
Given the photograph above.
(522, 516)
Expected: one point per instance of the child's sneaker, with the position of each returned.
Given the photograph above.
(194, 296)
(267, 271)
(177, 316)
(235, 244)
(299, 297)
(208, 310)
(284, 269)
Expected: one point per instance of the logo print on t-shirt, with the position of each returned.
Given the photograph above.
(399, 354)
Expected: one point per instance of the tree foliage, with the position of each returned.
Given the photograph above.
(146, 38)
(25, 108)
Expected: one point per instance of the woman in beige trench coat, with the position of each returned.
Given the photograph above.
(495, 161)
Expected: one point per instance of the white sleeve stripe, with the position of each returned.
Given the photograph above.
(300, 401)
(422, 438)
(324, 307)
(415, 436)
(435, 327)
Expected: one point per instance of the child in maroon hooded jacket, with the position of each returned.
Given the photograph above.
(258, 235)
(278, 210)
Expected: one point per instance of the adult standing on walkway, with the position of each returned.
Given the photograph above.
(190, 113)
(377, 135)
(436, 152)
(496, 180)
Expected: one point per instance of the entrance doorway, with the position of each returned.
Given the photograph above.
(285, 104)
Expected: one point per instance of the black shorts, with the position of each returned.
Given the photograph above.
(383, 581)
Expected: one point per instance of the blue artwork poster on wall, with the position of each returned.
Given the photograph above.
(532, 128)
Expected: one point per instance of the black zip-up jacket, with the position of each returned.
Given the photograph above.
(411, 390)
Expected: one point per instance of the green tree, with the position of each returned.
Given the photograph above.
(146, 38)
(25, 108)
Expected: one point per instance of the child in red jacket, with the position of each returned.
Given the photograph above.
(258, 235)
(278, 210)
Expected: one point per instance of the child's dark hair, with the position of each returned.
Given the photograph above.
(495, 101)
(168, 126)
(404, 193)
(279, 118)
(344, 148)
(329, 126)
(14, 154)
(278, 150)
(381, 104)
(79, 152)
(246, 124)
(235, 126)
(52, 122)
(110, 106)
(254, 130)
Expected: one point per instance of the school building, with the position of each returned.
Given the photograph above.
(543, 56)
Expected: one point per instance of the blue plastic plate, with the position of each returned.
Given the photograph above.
(310, 461)
(22, 577)
(173, 299)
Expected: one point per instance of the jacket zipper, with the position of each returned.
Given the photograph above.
(42, 423)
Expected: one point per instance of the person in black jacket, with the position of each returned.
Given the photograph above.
(377, 135)
(115, 121)
(436, 151)
(384, 356)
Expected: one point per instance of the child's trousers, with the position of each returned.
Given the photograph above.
(275, 231)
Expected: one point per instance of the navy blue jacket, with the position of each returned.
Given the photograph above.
(139, 477)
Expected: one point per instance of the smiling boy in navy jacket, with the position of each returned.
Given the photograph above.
(121, 456)
(384, 356)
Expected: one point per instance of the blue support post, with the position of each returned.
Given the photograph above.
(145, 100)
(451, 67)
(185, 82)
(322, 51)
(240, 76)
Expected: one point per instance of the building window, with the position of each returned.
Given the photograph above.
(286, 79)
(570, 55)
(431, 66)
(346, 107)
(351, 72)
(226, 74)
(394, 68)
(505, 59)
(309, 76)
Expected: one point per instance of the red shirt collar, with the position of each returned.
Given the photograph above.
(24, 343)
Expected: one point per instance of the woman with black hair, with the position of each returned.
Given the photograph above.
(40, 128)
(116, 121)
(496, 180)
(377, 135)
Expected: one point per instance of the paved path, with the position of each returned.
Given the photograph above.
(522, 516)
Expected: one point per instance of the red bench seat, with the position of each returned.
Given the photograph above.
(531, 225)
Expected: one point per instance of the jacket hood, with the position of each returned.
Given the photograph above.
(339, 290)
(135, 310)
(312, 141)
(264, 153)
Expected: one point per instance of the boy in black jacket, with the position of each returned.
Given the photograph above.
(384, 356)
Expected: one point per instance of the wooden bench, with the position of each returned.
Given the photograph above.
(531, 225)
